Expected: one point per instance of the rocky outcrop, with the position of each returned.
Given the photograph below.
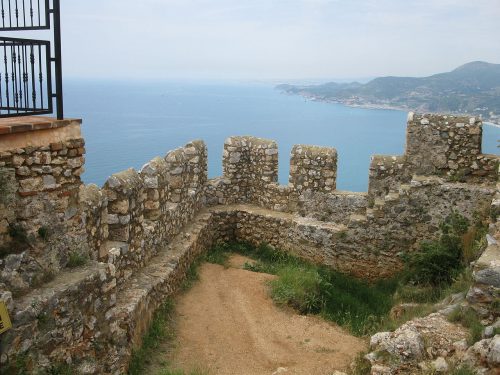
(433, 343)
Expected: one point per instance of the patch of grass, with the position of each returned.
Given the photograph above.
(46, 277)
(60, 369)
(44, 321)
(309, 288)
(18, 366)
(468, 318)
(298, 286)
(463, 370)
(461, 284)
(168, 371)
(390, 323)
(76, 259)
(255, 267)
(360, 365)
(263, 252)
(219, 254)
(415, 293)
(191, 276)
(44, 233)
(495, 306)
(157, 333)
(342, 235)
(18, 233)
(385, 357)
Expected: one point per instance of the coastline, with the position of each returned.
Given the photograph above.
(373, 106)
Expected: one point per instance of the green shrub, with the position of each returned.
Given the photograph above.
(18, 233)
(44, 233)
(19, 242)
(438, 263)
(76, 259)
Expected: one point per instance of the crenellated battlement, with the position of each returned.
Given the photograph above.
(142, 229)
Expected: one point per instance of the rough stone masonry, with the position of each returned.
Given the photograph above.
(83, 268)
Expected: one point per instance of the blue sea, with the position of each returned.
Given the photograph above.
(127, 124)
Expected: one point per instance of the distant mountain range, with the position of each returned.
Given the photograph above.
(473, 89)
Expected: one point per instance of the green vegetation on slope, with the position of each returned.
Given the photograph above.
(435, 271)
(310, 288)
(439, 268)
(472, 88)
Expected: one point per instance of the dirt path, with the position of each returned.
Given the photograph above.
(228, 325)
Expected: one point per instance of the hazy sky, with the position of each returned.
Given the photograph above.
(281, 39)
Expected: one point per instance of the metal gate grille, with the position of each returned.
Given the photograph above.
(25, 81)
(30, 69)
(25, 15)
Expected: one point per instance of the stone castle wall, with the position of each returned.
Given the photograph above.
(40, 212)
(444, 146)
(142, 229)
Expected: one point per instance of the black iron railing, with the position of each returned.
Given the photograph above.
(25, 81)
(25, 15)
(30, 70)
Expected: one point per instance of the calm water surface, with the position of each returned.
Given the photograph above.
(127, 124)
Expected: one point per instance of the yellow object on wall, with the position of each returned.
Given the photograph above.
(5, 323)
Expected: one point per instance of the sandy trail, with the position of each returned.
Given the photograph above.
(227, 324)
